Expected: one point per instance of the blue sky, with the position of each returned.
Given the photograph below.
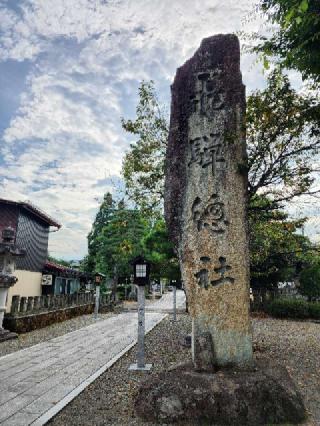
(69, 69)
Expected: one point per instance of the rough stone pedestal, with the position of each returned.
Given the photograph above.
(262, 396)
(205, 197)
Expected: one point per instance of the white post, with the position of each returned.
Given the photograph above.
(174, 303)
(3, 299)
(141, 327)
(141, 365)
(96, 306)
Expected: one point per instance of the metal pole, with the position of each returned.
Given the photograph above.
(96, 306)
(174, 303)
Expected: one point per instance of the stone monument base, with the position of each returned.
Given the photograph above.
(263, 395)
(7, 335)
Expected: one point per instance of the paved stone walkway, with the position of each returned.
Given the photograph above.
(37, 382)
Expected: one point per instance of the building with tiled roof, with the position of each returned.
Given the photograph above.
(32, 227)
(61, 279)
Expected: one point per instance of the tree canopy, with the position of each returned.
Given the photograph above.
(103, 217)
(143, 164)
(295, 39)
(277, 248)
(310, 281)
(282, 138)
(59, 261)
(159, 251)
(119, 241)
(119, 234)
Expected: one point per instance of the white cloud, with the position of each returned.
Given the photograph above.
(88, 57)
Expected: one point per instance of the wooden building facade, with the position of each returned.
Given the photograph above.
(31, 226)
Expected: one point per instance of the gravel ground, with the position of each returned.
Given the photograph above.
(296, 344)
(109, 400)
(130, 304)
(43, 334)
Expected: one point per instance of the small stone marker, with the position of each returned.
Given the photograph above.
(205, 200)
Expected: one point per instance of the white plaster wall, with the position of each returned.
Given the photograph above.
(29, 284)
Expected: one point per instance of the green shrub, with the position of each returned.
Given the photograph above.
(314, 310)
(121, 291)
(293, 308)
(310, 282)
(288, 308)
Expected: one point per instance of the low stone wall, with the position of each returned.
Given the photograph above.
(31, 313)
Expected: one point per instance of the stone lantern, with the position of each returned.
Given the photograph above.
(8, 254)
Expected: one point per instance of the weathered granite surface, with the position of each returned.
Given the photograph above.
(205, 197)
(262, 396)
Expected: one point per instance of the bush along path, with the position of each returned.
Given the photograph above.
(294, 308)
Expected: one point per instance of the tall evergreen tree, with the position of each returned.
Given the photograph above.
(143, 164)
(119, 241)
(102, 219)
(276, 248)
(159, 251)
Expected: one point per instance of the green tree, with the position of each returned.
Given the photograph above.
(119, 241)
(310, 282)
(159, 251)
(282, 140)
(277, 250)
(102, 219)
(59, 261)
(143, 164)
(295, 40)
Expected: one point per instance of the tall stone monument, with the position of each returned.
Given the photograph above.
(205, 208)
(205, 200)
